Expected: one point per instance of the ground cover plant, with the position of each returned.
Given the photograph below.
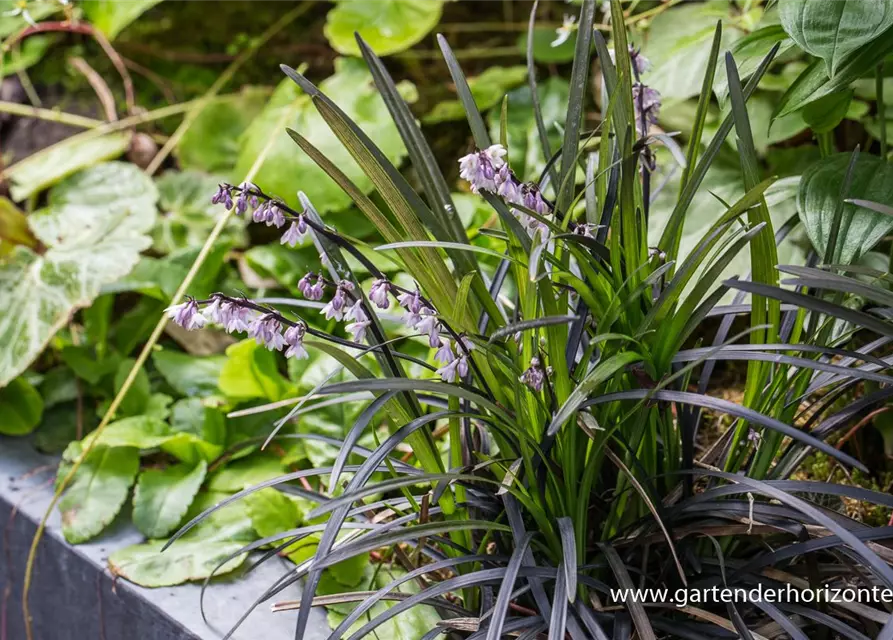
(500, 403)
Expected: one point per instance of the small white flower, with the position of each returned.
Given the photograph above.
(563, 33)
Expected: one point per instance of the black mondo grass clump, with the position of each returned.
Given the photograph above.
(553, 414)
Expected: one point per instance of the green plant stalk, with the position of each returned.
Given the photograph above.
(881, 107)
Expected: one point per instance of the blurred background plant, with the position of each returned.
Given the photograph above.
(115, 131)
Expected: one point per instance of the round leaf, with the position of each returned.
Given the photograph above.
(22, 408)
(388, 26)
(820, 194)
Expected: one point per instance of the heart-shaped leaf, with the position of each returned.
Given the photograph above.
(820, 195)
(831, 30)
(352, 89)
(163, 496)
(92, 230)
(98, 491)
(388, 26)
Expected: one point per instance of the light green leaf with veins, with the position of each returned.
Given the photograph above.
(163, 496)
(97, 492)
(93, 228)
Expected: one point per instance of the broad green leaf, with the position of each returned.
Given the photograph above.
(192, 415)
(32, 51)
(212, 142)
(112, 16)
(97, 492)
(93, 227)
(272, 512)
(195, 555)
(245, 473)
(189, 375)
(45, 168)
(678, 45)
(388, 26)
(352, 89)
(57, 386)
(59, 427)
(409, 625)
(187, 215)
(137, 397)
(21, 408)
(832, 30)
(814, 83)
(251, 371)
(826, 113)
(137, 432)
(525, 151)
(162, 497)
(820, 193)
(191, 449)
(160, 277)
(487, 89)
(543, 51)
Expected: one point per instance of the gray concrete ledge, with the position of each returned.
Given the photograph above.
(74, 597)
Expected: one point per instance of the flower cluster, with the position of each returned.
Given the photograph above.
(535, 376)
(266, 210)
(234, 316)
(453, 365)
(646, 101)
(487, 170)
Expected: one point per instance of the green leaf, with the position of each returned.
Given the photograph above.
(189, 375)
(112, 16)
(245, 473)
(192, 415)
(137, 397)
(749, 51)
(10, 24)
(84, 362)
(272, 512)
(162, 497)
(826, 113)
(284, 264)
(819, 196)
(388, 26)
(814, 83)
(187, 213)
(408, 625)
(195, 555)
(543, 51)
(97, 492)
(21, 407)
(32, 51)
(93, 227)
(487, 89)
(137, 432)
(212, 142)
(45, 168)
(678, 44)
(832, 30)
(251, 371)
(351, 87)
